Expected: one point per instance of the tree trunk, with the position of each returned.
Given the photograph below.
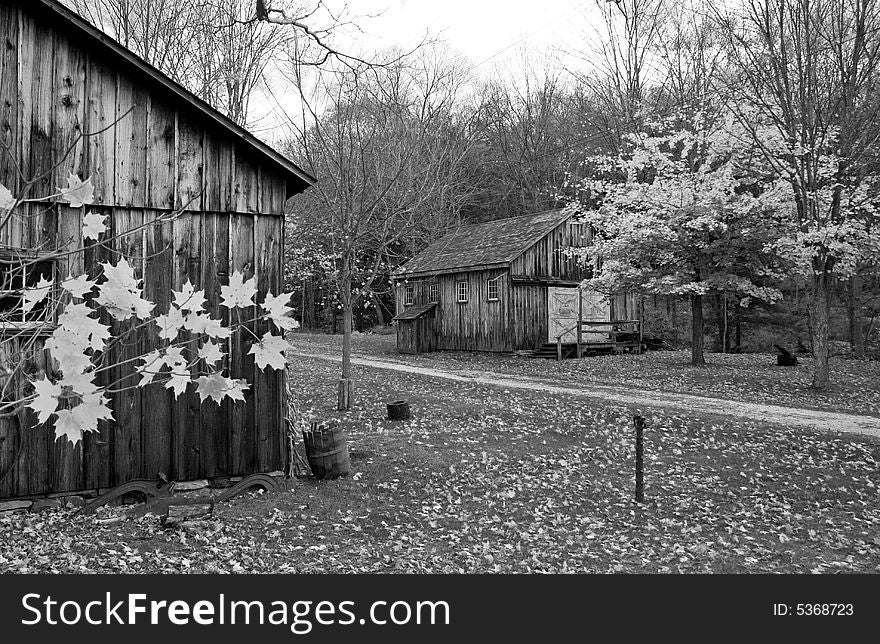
(719, 311)
(380, 314)
(820, 312)
(343, 402)
(674, 321)
(856, 317)
(725, 343)
(737, 312)
(697, 339)
(310, 315)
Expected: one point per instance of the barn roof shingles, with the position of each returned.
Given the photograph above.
(493, 242)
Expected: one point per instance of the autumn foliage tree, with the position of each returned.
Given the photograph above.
(805, 85)
(678, 215)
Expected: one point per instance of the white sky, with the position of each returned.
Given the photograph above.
(489, 33)
(480, 29)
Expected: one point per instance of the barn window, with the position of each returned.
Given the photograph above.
(409, 294)
(17, 274)
(433, 292)
(462, 291)
(492, 289)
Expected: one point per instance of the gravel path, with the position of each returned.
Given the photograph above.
(807, 418)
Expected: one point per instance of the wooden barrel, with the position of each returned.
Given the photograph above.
(398, 410)
(327, 451)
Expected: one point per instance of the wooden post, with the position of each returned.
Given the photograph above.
(580, 323)
(640, 337)
(558, 348)
(640, 473)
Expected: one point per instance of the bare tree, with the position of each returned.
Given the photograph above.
(629, 45)
(221, 50)
(390, 163)
(532, 135)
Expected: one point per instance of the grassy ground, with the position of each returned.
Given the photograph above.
(750, 377)
(485, 480)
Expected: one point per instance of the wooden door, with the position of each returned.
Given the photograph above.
(596, 308)
(562, 308)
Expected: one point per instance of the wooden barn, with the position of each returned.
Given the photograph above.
(503, 285)
(74, 100)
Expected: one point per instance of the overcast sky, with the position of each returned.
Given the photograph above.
(483, 30)
(490, 33)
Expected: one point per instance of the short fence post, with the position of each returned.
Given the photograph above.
(640, 466)
(559, 348)
(641, 336)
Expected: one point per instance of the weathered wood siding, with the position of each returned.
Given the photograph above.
(529, 320)
(479, 324)
(153, 432)
(546, 258)
(418, 335)
(518, 320)
(145, 149)
(151, 155)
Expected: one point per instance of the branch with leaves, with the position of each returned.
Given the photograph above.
(191, 348)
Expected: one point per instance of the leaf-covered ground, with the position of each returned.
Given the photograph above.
(749, 377)
(483, 479)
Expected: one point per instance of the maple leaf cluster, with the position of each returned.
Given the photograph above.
(193, 344)
(193, 347)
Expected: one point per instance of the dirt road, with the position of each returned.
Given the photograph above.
(808, 418)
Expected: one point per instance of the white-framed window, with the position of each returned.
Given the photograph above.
(433, 292)
(16, 274)
(409, 294)
(461, 291)
(492, 290)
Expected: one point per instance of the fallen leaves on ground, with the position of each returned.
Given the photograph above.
(747, 377)
(490, 480)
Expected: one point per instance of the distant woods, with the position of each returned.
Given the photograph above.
(409, 144)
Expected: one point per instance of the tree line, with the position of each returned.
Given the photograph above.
(724, 153)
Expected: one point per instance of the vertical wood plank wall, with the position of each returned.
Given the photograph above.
(546, 257)
(518, 320)
(157, 158)
(479, 324)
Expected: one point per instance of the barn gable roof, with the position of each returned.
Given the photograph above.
(96, 38)
(487, 244)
